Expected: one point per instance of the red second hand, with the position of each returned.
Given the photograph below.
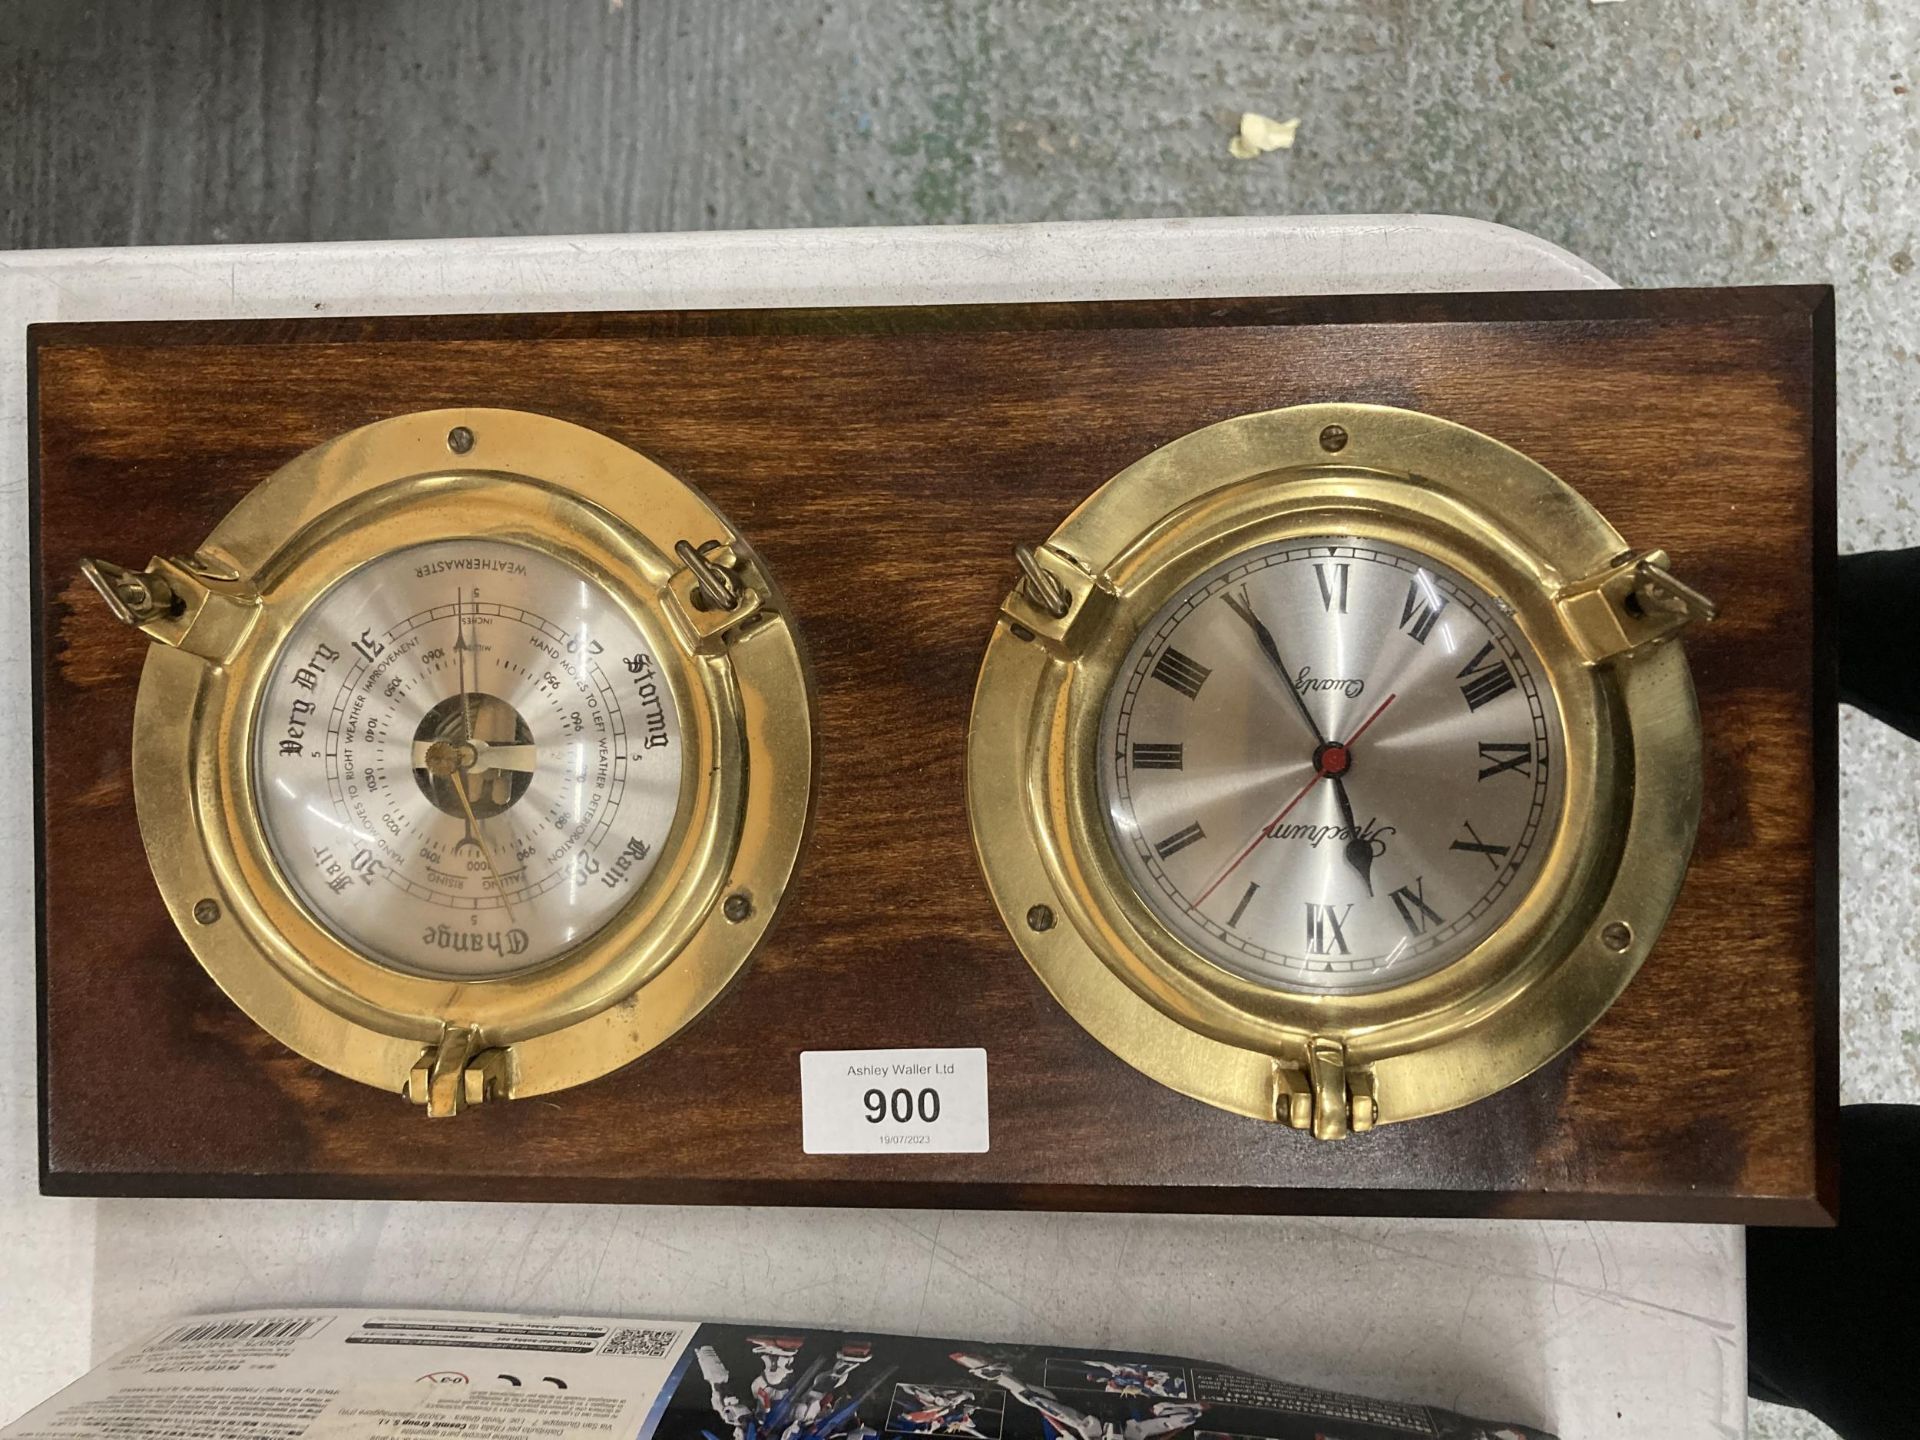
(1371, 718)
(1287, 809)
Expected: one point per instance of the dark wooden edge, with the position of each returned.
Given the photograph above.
(37, 648)
(967, 1195)
(1826, 764)
(1500, 306)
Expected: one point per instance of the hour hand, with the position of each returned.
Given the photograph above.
(1359, 850)
(1271, 648)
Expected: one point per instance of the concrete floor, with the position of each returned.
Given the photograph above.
(1739, 141)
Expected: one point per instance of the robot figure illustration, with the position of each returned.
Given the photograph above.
(937, 1411)
(1063, 1422)
(813, 1407)
(1132, 1378)
(777, 1354)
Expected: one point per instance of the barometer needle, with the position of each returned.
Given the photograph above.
(460, 657)
(486, 850)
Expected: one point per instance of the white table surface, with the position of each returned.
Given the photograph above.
(1589, 1329)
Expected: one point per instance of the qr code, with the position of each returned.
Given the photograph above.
(653, 1344)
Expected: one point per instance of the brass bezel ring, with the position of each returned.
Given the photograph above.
(743, 689)
(1630, 738)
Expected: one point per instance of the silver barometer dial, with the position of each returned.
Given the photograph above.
(1330, 764)
(467, 760)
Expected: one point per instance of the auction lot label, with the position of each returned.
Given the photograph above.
(893, 1102)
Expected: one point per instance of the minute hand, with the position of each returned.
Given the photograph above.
(1272, 650)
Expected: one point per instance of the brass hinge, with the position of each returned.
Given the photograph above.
(1633, 603)
(199, 605)
(1327, 1097)
(454, 1074)
(711, 598)
(1055, 594)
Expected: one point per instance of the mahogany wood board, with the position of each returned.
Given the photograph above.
(883, 462)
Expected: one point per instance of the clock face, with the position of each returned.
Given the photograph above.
(1332, 764)
(466, 759)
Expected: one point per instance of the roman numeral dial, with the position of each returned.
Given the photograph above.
(1421, 609)
(1505, 757)
(1330, 764)
(1333, 576)
(1181, 673)
(1487, 678)
(1415, 913)
(1179, 840)
(1147, 755)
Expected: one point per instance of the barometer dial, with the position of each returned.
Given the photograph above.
(466, 758)
(473, 755)
(1332, 764)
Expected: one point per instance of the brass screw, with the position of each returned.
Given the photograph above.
(1040, 917)
(738, 907)
(1617, 936)
(1333, 438)
(207, 911)
(460, 439)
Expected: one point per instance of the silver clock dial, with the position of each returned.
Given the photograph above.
(1331, 764)
(466, 759)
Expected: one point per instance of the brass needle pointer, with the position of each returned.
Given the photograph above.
(451, 762)
(486, 850)
(460, 655)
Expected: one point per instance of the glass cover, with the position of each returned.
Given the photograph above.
(466, 759)
(1330, 764)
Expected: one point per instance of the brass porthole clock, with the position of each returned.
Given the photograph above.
(473, 754)
(1335, 765)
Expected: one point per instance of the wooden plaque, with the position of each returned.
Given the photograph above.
(884, 462)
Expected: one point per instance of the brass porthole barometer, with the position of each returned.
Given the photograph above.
(473, 754)
(1335, 765)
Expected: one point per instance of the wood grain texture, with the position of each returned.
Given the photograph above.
(899, 454)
